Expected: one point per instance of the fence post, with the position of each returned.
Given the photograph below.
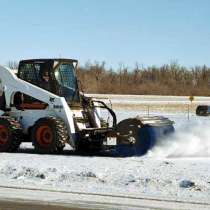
(191, 98)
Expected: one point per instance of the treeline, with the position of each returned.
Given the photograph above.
(171, 79)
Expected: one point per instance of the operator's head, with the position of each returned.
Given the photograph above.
(45, 76)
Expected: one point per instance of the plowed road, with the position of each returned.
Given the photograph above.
(29, 198)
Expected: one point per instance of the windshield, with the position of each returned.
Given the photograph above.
(65, 76)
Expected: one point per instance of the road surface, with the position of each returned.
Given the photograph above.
(32, 198)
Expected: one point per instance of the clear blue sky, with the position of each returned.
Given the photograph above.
(116, 31)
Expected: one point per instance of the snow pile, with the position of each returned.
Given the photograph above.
(22, 172)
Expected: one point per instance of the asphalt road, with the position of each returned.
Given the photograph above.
(23, 205)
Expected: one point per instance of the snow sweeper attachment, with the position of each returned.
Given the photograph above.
(138, 135)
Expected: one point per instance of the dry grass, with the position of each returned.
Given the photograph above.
(170, 79)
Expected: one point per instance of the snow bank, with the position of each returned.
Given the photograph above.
(152, 99)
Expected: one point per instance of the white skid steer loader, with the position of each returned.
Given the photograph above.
(42, 104)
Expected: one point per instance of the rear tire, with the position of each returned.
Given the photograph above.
(49, 135)
(10, 134)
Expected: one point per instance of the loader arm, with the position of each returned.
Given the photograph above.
(10, 84)
(104, 106)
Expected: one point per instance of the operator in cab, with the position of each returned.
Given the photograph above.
(45, 80)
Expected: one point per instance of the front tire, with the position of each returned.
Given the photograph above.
(49, 135)
(10, 134)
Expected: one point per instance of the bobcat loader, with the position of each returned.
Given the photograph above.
(42, 104)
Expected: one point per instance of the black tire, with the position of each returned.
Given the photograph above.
(10, 134)
(49, 135)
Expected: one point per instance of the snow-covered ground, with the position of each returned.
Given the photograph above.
(150, 103)
(178, 168)
(181, 178)
(152, 99)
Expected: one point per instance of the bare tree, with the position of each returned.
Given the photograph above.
(12, 64)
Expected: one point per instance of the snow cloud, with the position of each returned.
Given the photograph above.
(190, 140)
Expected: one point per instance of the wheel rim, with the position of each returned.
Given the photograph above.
(44, 135)
(4, 135)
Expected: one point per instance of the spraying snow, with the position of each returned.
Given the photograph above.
(190, 140)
